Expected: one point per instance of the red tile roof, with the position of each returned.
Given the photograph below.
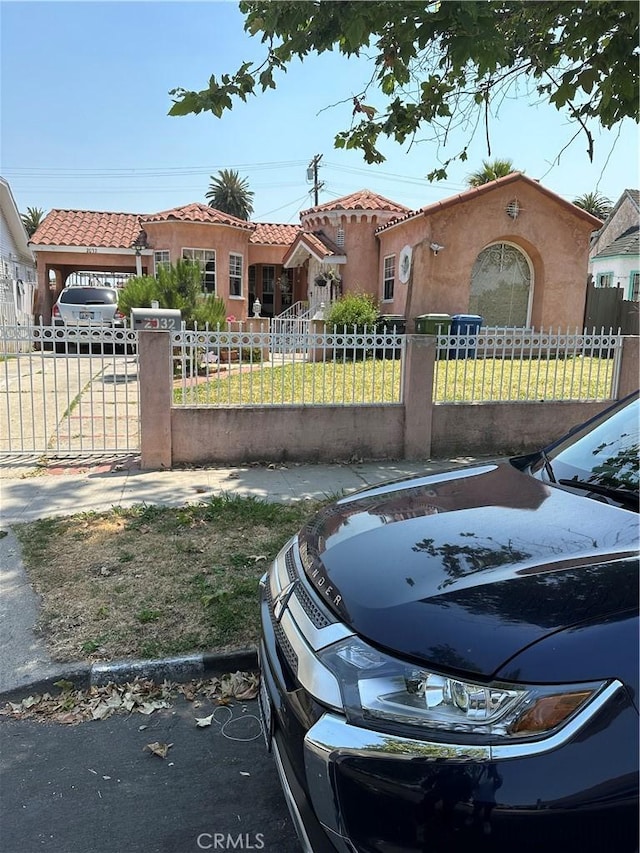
(88, 228)
(197, 212)
(475, 192)
(360, 200)
(314, 242)
(274, 234)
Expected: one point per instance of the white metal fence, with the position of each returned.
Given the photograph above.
(68, 392)
(262, 368)
(498, 364)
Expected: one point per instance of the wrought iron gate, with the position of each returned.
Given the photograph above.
(68, 391)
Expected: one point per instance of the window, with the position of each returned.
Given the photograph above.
(634, 286)
(161, 258)
(388, 277)
(501, 286)
(206, 259)
(604, 279)
(235, 275)
(340, 237)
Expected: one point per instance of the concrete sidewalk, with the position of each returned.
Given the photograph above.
(28, 493)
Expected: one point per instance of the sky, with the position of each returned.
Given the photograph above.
(84, 97)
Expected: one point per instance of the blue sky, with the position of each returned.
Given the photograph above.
(84, 102)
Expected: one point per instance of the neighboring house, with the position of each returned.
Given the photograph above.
(511, 251)
(17, 263)
(614, 258)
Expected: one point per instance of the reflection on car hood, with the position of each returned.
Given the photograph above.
(465, 569)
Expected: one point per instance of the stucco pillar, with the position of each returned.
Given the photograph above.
(156, 389)
(419, 366)
(629, 366)
(318, 327)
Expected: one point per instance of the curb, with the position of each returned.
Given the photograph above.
(179, 669)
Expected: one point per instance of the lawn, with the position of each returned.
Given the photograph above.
(379, 381)
(152, 581)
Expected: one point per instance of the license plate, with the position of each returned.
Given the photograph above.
(264, 703)
(86, 315)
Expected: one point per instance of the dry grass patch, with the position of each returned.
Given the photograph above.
(154, 581)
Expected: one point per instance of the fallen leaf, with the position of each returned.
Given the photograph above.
(159, 749)
(202, 722)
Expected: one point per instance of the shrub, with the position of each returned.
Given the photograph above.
(353, 309)
(138, 293)
(210, 309)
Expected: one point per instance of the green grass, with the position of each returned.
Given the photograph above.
(367, 381)
(378, 381)
(488, 379)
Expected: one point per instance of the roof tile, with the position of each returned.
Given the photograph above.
(89, 228)
(360, 200)
(274, 234)
(197, 212)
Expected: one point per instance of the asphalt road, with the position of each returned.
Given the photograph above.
(95, 788)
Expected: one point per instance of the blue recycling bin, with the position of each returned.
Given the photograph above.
(465, 325)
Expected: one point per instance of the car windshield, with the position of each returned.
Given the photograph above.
(88, 295)
(603, 453)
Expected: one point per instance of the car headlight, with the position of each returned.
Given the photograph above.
(377, 687)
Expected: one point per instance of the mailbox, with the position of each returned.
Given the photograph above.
(156, 319)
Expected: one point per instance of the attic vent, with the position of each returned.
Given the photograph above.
(340, 237)
(513, 208)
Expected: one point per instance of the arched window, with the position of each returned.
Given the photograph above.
(501, 284)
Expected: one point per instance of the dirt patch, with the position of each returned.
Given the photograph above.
(148, 582)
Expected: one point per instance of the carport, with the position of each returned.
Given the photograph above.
(81, 241)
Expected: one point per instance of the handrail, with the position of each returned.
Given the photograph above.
(297, 311)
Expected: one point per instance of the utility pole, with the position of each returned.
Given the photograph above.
(312, 175)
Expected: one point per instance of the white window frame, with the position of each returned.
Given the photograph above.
(237, 276)
(388, 277)
(604, 279)
(161, 258)
(206, 259)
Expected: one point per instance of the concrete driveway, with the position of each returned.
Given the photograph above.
(68, 403)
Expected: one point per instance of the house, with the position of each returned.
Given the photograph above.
(614, 258)
(511, 250)
(17, 263)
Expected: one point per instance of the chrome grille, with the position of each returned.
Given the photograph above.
(307, 603)
(281, 638)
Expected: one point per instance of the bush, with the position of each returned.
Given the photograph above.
(175, 287)
(210, 309)
(353, 309)
(138, 293)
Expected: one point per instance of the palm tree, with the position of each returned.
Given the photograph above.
(491, 170)
(231, 194)
(595, 204)
(32, 219)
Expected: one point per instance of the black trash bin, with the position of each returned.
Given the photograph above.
(465, 325)
(390, 324)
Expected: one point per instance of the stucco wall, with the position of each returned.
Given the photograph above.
(502, 428)
(554, 237)
(176, 236)
(296, 433)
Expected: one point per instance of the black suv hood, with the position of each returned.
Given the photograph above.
(466, 569)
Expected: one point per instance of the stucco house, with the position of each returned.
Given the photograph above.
(17, 262)
(511, 250)
(614, 258)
